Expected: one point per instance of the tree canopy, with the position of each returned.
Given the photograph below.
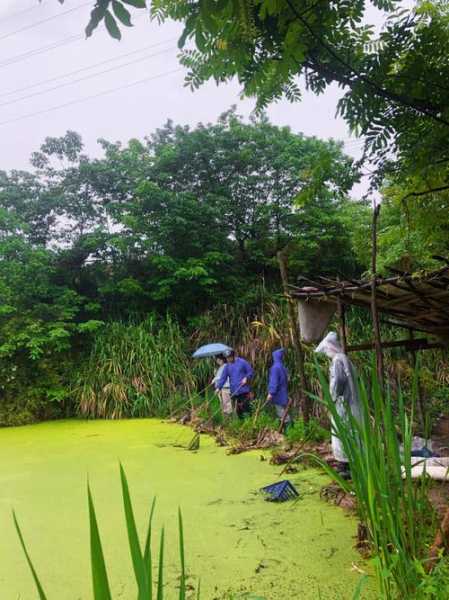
(180, 221)
(394, 81)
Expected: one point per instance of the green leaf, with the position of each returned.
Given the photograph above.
(40, 591)
(111, 26)
(207, 15)
(121, 13)
(361, 584)
(96, 16)
(147, 559)
(182, 585)
(99, 574)
(133, 539)
(136, 3)
(160, 577)
(90, 326)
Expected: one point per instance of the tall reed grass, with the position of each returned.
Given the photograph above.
(146, 369)
(136, 370)
(255, 336)
(393, 507)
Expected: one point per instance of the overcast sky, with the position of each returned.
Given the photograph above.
(76, 68)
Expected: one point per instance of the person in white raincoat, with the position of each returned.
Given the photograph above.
(343, 390)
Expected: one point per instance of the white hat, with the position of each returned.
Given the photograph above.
(330, 342)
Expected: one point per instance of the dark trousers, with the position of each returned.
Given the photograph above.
(242, 404)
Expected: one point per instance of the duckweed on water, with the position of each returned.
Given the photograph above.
(235, 541)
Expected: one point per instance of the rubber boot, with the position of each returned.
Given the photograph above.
(345, 472)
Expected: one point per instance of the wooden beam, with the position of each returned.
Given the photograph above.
(419, 390)
(438, 304)
(411, 345)
(342, 318)
(400, 325)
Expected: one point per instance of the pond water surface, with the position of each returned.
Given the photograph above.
(235, 541)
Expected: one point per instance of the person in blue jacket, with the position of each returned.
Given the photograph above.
(240, 373)
(278, 387)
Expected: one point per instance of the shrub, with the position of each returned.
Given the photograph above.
(311, 431)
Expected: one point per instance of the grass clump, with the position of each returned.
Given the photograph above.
(393, 507)
(135, 371)
(312, 431)
(249, 429)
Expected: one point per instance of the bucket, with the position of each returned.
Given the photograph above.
(314, 317)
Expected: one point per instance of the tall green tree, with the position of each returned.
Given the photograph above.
(394, 82)
(215, 203)
(183, 221)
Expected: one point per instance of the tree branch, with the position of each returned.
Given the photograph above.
(425, 192)
(384, 93)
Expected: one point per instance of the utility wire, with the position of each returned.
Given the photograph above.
(20, 57)
(9, 16)
(80, 100)
(36, 51)
(86, 77)
(82, 69)
(37, 23)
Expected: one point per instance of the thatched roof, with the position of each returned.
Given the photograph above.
(415, 301)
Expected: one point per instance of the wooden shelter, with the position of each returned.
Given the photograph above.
(416, 302)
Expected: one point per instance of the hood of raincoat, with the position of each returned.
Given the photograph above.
(278, 355)
(329, 345)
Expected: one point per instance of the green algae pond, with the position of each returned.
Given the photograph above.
(236, 543)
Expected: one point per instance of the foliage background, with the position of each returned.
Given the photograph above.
(113, 270)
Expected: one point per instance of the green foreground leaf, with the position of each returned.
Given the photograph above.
(40, 591)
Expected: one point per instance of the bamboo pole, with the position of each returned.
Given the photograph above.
(374, 312)
(342, 319)
(303, 398)
(419, 390)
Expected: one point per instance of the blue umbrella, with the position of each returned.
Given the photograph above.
(210, 350)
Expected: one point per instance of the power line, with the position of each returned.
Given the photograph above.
(80, 100)
(21, 12)
(52, 46)
(82, 69)
(41, 50)
(80, 79)
(37, 23)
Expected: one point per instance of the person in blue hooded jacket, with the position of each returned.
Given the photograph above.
(240, 373)
(278, 387)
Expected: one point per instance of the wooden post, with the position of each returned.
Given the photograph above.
(419, 391)
(342, 318)
(304, 400)
(374, 313)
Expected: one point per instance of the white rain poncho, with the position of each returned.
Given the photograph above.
(342, 387)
